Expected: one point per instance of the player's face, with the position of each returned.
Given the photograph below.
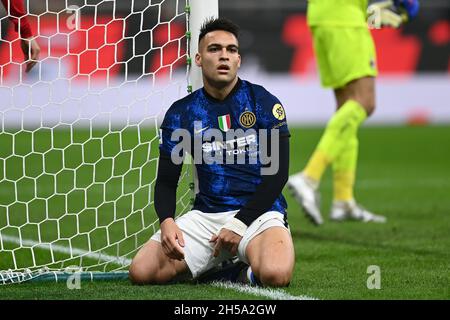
(219, 58)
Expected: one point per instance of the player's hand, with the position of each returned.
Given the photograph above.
(172, 239)
(31, 51)
(384, 14)
(226, 239)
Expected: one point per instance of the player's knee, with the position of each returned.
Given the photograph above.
(139, 274)
(363, 91)
(144, 273)
(369, 105)
(367, 101)
(273, 276)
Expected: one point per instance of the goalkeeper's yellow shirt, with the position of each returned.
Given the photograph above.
(337, 13)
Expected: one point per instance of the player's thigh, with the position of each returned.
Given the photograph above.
(198, 228)
(272, 251)
(361, 90)
(344, 54)
(152, 265)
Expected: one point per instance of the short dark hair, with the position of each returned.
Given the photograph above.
(214, 24)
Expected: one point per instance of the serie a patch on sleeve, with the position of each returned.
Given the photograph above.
(278, 112)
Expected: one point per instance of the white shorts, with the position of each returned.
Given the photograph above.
(198, 228)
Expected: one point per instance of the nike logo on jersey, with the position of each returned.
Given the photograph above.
(200, 130)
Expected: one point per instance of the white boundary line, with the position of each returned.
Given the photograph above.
(274, 294)
(74, 252)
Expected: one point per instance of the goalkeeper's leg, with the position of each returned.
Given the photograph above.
(354, 102)
(346, 58)
(362, 91)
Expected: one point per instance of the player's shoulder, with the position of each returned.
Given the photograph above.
(184, 102)
(260, 93)
(182, 105)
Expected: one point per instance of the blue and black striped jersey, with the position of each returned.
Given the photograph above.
(249, 107)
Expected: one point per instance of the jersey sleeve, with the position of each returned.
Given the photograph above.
(271, 114)
(18, 17)
(171, 122)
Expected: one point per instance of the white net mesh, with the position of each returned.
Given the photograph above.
(78, 134)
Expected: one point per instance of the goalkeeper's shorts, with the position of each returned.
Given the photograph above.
(343, 54)
(198, 228)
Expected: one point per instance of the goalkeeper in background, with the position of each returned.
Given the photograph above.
(346, 58)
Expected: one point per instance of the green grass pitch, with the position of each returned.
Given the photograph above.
(403, 173)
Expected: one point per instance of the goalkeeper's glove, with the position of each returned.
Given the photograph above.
(391, 13)
(408, 8)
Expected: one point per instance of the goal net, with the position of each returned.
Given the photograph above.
(79, 132)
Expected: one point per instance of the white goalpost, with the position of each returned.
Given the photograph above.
(79, 133)
(200, 10)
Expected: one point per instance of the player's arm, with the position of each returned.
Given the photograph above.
(392, 13)
(269, 189)
(18, 17)
(262, 200)
(165, 206)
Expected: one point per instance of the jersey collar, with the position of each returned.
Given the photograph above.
(232, 92)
